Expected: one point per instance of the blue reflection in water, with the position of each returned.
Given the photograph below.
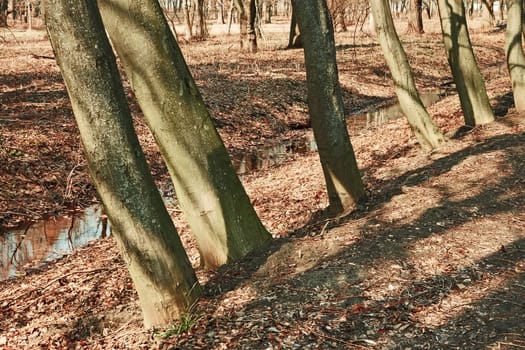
(48, 240)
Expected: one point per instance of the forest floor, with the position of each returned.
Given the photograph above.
(433, 259)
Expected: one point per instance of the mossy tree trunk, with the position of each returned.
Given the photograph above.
(325, 104)
(426, 132)
(146, 236)
(211, 195)
(467, 76)
(514, 52)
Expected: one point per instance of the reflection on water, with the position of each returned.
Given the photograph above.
(273, 155)
(381, 114)
(277, 153)
(48, 240)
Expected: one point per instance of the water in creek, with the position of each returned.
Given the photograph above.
(276, 154)
(25, 249)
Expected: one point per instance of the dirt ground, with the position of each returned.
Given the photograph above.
(434, 259)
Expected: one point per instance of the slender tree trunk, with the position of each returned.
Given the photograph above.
(211, 196)
(3, 13)
(148, 241)
(231, 17)
(294, 39)
(201, 30)
(502, 6)
(468, 79)
(325, 104)
(247, 18)
(188, 20)
(426, 132)
(487, 13)
(220, 12)
(415, 17)
(514, 52)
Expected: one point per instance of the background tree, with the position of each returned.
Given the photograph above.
(247, 20)
(426, 132)
(294, 38)
(3, 12)
(514, 52)
(162, 274)
(467, 77)
(325, 104)
(415, 17)
(210, 194)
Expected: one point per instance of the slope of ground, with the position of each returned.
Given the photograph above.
(434, 259)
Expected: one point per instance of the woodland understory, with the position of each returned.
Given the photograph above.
(433, 259)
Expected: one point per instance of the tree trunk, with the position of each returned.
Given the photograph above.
(267, 12)
(426, 132)
(211, 196)
(467, 77)
(325, 104)
(247, 18)
(514, 52)
(3, 13)
(487, 13)
(415, 17)
(294, 39)
(188, 20)
(201, 31)
(162, 274)
(220, 12)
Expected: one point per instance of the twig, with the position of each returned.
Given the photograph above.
(69, 181)
(347, 343)
(324, 228)
(511, 344)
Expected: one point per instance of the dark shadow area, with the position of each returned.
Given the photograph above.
(502, 104)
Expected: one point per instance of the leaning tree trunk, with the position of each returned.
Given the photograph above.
(467, 77)
(211, 196)
(426, 132)
(514, 52)
(146, 236)
(325, 104)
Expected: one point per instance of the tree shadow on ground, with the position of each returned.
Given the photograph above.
(333, 290)
(502, 105)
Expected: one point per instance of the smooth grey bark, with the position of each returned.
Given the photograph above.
(162, 274)
(426, 132)
(325, 104)
(210, 194)
(514, 52)
(465, 71)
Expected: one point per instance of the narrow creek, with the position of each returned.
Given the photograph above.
(29, 248)
(43, 241)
